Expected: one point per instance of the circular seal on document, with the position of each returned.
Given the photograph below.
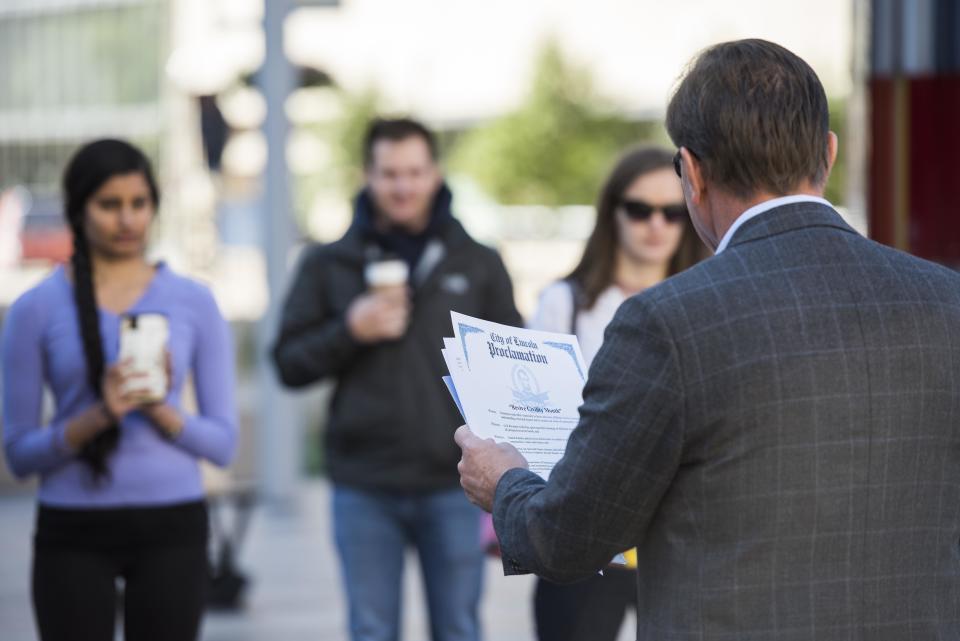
(526, 388)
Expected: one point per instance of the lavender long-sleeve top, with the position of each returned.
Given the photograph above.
(42, 347)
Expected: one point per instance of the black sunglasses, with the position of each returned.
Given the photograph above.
(638, 210)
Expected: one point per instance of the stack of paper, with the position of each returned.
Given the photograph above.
(516, 385)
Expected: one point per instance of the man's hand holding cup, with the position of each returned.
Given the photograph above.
(383, 313)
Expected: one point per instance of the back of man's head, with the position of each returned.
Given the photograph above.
(395, 129)
(756, 117)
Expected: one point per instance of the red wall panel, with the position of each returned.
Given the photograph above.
(935, 168)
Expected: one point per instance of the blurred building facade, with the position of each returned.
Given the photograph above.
(71, 71)
(914, 89)
(75, 70)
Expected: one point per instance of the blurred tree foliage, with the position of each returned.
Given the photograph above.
(836, 191)
(358, 111)
(343, 136)
(556, 148)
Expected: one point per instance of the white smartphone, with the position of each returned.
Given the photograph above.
(143, 341)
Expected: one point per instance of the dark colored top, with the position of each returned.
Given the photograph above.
(391, 419)
(777, 430)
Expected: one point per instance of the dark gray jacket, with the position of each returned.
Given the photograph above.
(777, 430)
(391, 419)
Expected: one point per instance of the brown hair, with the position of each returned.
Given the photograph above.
(756, 117)
(595, 271)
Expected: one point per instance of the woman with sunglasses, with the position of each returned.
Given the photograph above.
(120, 493)
(642, 236)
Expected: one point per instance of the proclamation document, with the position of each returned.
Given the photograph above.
(516, 385)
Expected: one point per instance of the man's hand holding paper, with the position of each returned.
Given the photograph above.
(484, 462)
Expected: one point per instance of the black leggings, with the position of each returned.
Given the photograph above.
(591, 610)
(164, 570)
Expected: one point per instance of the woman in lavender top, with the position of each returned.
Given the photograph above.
(120, 492)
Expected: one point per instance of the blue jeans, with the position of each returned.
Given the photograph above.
(373, 530)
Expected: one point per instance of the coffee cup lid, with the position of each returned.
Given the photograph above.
(386, 273)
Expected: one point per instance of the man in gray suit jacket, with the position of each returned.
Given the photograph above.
(777, 429)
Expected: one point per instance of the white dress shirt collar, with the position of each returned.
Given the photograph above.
(766, 206)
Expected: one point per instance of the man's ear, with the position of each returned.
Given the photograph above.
(695, 193)
(833, 147)
(693, 173)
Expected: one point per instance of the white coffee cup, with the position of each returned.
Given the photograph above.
(386, 274)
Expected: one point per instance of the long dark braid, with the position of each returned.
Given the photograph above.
(95, 451)
(89, 169)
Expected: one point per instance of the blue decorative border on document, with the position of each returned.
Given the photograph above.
(568, 348)
(465, 330)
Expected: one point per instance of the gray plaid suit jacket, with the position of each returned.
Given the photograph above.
(777, 430)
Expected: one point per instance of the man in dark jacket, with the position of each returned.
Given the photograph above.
(389, 442)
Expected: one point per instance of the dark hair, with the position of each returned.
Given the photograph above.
(92, 166)
(756, 117)
(396, 129)
(595, 271)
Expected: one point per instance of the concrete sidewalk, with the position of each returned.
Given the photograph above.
(296, 593)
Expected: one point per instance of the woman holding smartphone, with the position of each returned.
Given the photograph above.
(120, 492)
(642, 235)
